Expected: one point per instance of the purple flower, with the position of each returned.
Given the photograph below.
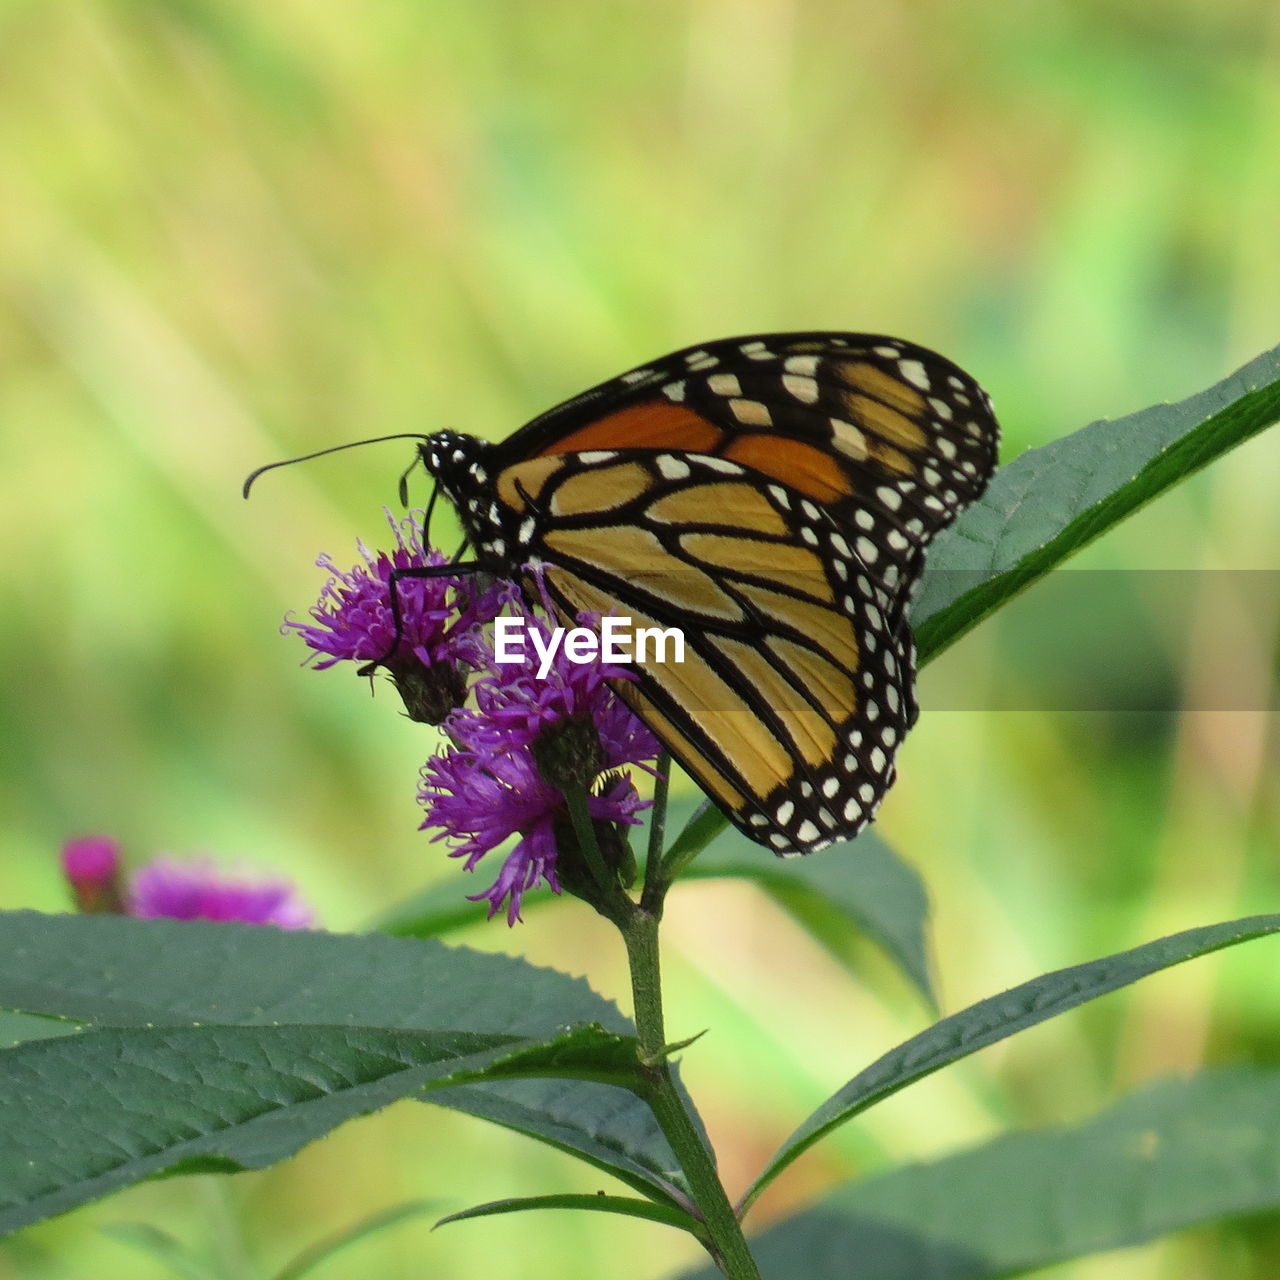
(91, 865)
(197, 890)
(440, 620)
(493, 782)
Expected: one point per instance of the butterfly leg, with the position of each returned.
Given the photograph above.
(396, 576)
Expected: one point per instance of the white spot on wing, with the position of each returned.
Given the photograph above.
(847, 439)
(804, 389)
(725, 384)
(914, 372)
(720, 464)
(806, 365)
(751, 413)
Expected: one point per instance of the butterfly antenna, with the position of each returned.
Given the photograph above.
(320, 453)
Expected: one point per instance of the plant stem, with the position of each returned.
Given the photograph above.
(576, 799)
(727, 1245)
(655, 882)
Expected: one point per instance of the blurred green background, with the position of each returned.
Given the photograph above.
(234, 232)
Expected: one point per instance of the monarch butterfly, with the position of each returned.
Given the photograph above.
(772, 496)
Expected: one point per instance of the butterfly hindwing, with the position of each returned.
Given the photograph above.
(795, 689)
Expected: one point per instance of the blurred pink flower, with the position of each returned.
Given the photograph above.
(196, 889)
(92, 867)
(191, 889)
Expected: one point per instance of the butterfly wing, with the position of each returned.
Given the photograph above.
(771, 496)
(795, 689)
(827, 413)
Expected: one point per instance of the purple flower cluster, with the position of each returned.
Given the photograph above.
(489, 787)
(166, 887)
(498, 778)
(440, 619)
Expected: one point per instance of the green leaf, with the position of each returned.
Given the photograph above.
(578, 1053)
(231, 1098)
(316, 1254)
(624, 1205)
(1048, 503)
(17, 1027)
(1176, 1153)
(150, 1101)
(114, 971)
(999, 1017)
(701, 827)
(863, 886)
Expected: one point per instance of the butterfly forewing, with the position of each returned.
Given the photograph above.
(835, 415)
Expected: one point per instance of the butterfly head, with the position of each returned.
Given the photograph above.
(460, 465)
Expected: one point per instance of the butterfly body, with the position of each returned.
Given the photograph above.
(772, 497)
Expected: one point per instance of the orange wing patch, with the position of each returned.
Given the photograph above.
(794, 463)
(657, 424)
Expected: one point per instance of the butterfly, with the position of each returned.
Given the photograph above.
(771, 496)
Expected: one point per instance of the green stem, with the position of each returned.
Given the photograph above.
(727, 1244)
(654, 882)
(576, 799)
